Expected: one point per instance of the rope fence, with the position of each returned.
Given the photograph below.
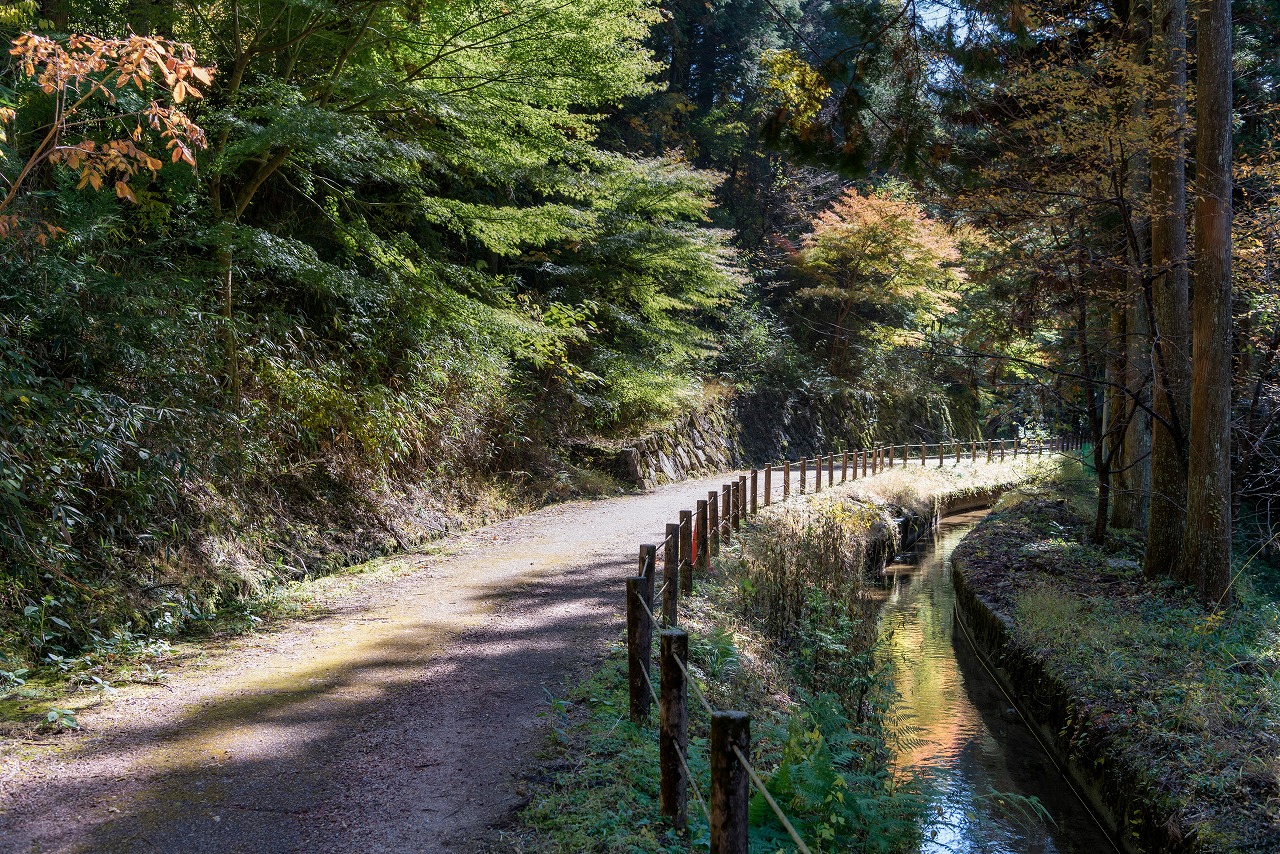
(690, 544)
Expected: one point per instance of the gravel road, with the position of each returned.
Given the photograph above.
(398, 721)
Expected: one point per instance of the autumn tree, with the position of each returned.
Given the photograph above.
(876, 260)
(103, 106)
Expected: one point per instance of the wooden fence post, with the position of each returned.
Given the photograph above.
(755, 492)
(1015, 446)
(768, 484)
(700, 547)
(891, 450)
(844, 466)
(865, 457)
(673, 730)
(730, 783)
(817, 474)
(1002, 441)
(831, 469)
(648, 569)
(639, 642)
(991, 450)
(973, 452)
(713, 522)
(786, 479)
(924, 461)
(670, 575)
(726, 512)
(686, 552)
(804, 473)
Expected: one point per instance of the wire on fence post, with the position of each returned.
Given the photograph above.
(730, 783)
(670, 568)
(703, 561)
(673, 730)
(726, 512)
(639, 644)
(777, 810)
(713, 523)
(686, 552)
(649, 569)
(741, 501)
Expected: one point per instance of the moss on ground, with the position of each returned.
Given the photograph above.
(1188, 699)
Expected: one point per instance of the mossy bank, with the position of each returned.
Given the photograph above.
(1163, 714)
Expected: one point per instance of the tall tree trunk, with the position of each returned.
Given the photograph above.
(1102, 456)
(1116, 412)
(1206, 548)
(1136, 461)
(1133, 476)
(1169, 295)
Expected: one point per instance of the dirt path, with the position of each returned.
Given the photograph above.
(397, 722)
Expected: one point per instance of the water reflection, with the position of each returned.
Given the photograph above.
(964, 734)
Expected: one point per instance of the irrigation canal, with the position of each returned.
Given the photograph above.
(963, 734)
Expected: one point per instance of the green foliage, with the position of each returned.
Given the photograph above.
(827, 770)
(1184, 699)
(402, 259)
(831, 781)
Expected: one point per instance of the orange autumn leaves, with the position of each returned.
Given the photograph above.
(880, 249)
(84, 75)
(878, 260)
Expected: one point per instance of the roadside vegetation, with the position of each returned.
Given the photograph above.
(783, 627)
(285, 286)
(1185, 699)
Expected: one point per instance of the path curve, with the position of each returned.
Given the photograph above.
(396, 722)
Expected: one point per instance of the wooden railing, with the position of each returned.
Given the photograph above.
(688, 547)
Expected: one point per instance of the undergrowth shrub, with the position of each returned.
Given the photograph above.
(831, 780)
(805, 565)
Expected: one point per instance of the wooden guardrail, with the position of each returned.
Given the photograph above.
(689, 545)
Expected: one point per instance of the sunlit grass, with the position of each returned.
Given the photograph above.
(1190, 699)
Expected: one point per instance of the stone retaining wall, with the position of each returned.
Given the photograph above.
(699, 443)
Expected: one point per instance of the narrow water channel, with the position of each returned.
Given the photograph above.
(963, 734)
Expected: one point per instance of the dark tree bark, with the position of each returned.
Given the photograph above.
(1169, 292)
(1136, 461)
(1133, 477)
(1206, 548)
(1116, 411)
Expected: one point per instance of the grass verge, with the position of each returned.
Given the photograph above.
(1186, 701)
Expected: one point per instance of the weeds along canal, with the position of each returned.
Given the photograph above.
(959, 730)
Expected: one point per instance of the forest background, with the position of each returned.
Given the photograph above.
(275, 271)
